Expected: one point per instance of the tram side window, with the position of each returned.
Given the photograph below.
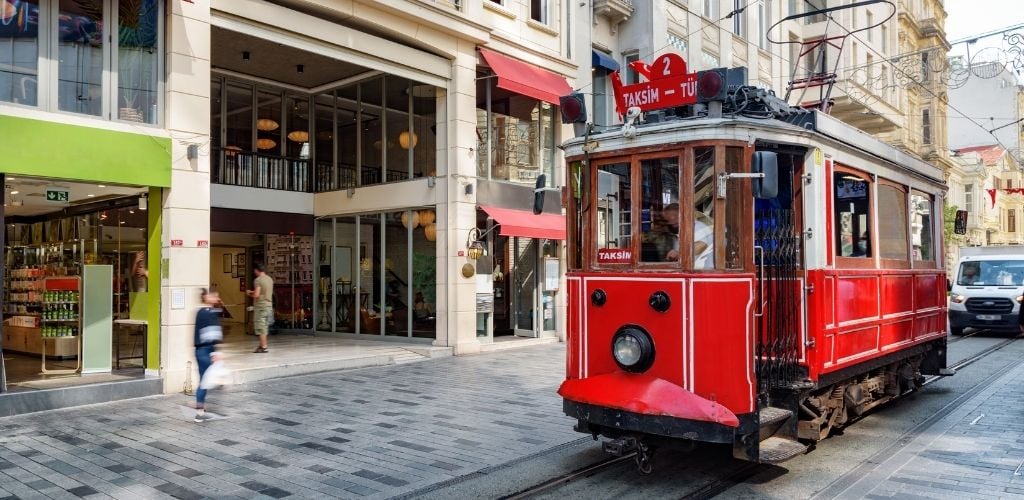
(852, 215)
(921, 227)
(892, 226)
(704, 208)
(659, 230)
(734, 221)
(614, 215)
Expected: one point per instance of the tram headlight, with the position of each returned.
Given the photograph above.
(633, 349)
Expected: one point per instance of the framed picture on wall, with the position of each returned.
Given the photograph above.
(240, 260)
(234, 272)
(228, 263)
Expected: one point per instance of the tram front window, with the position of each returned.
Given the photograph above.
(614, 216)
(703, 208)
(660, 205)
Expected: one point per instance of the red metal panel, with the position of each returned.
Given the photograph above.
(722, 339)
(573, 333)
(895, 333)
(856, 298)
(856, 343)
(828, 301)
(627, 304)
(925, 286)
(828, 351)
(897, 294)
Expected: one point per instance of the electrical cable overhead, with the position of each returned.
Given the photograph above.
(914, 80)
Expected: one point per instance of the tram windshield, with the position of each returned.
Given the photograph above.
(663, 210)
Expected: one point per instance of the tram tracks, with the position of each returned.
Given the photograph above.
(742, 471)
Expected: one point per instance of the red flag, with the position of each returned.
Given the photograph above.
(992, 194)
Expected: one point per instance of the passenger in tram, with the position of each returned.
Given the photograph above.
(863, 248)
(670, 218)
(703, 241)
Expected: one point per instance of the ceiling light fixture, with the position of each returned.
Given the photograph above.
(100, 186)
(91, 195)
(15, 192)
(143, 202)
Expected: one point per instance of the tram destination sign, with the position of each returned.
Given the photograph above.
(668, 85)
(57, 195)
(614, 255)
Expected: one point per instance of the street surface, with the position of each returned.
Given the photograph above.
(489, 426)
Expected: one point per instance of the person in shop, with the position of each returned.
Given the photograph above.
(208, 334)
(262, 294)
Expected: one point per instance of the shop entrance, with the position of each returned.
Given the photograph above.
(523, 304)
(76, 281)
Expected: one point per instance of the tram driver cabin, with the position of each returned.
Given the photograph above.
(701, 312)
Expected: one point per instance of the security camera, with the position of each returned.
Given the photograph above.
(632, 114)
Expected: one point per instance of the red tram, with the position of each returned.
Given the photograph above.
(743, 271)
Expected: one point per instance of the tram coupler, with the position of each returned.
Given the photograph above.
(620, 446)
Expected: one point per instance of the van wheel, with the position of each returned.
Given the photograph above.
(956, 331)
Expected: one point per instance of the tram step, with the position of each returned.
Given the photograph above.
(775, 449)
(771, 418)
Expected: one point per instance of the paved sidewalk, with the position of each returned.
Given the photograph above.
(976, 451)
(375, 432)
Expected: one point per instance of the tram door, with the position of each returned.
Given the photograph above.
(778, 252)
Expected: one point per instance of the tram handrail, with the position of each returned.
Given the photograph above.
(760, 270)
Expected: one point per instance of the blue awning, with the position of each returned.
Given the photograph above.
(601, 60)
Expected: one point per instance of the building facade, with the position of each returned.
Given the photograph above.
(380, 161)
(988, 89)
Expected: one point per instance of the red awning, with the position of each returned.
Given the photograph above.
(526, 79)
(527, 224)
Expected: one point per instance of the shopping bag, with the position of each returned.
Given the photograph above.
(216, 375)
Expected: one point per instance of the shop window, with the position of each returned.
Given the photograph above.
(704, 208)
(19, 53)
(85, 51)
(921, 223)
(892, 227)
(374, 132)
(614, 212)
(659, 228)
(518, 135)
(852, 217)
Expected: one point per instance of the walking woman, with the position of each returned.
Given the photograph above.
(208, 334)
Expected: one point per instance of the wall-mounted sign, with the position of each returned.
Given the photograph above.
(177, 243)
(203, 243)
(58, 195)
(177, 298)
(614, 255)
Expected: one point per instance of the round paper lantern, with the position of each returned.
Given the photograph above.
(264, 143)
(298, 136)
(407, 140)
(407, 222)
(430, 231)
(266, 124)
(426, 217)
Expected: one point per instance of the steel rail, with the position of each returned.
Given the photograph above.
(565, 478)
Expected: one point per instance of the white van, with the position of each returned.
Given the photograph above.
(987, 288)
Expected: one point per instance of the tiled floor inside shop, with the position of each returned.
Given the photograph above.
(24, 370)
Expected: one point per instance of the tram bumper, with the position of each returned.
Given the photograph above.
(622, 403)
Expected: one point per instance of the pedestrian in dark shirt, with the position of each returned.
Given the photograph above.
(207, 335)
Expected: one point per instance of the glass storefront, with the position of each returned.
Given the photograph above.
(376, 131)
(516, 136)
(48, 257)
(99, 73)
(376, 274)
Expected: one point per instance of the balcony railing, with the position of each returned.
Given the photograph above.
(237, 168)
(344, 176)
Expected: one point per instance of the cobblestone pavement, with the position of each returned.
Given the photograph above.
(976, 451)
(376, 432)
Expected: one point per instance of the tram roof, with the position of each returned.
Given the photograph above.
(802, 129)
